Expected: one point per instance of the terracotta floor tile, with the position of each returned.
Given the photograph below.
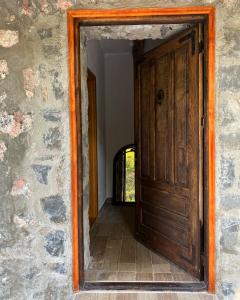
(157, 259)
(115, 250)
(143, 259)
(163, 277)
(128, 251)
(127, 267)
(161, 268)
(126, 296)
(126, 276)
(90, 275)
(184, 277)
(106, 276)
(143, 296)
(144, 277)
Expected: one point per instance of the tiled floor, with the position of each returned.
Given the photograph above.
(117, 256)
(143, 296)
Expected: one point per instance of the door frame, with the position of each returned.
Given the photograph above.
(92, 138)
(90, 17)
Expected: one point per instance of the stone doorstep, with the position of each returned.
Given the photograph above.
(143, 295)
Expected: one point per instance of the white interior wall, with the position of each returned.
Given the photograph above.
(119, 108)
(96, 64)
(115, 108)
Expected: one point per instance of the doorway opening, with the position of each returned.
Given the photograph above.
(166, 244)
(124, 176)
(173, 128)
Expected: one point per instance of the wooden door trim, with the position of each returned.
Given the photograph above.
(93, 162)
(80, 17)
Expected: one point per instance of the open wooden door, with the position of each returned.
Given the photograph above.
(168, 133)
(92, 134)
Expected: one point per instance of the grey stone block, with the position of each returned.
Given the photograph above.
(52, 139)
(55, 243)
(41, 173)
(55, 208)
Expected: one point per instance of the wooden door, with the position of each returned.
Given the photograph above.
(93, 162)
(168, 136)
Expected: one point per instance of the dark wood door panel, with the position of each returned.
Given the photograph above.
(165, 200)
(167, 187)
(181, 39)
(179, 235)
(146, 94)
(181, 110)
(169, 225)
(167, 180)
(162, 129)
(182, 256)
(168, 217)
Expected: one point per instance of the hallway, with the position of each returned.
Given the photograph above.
(117, 256)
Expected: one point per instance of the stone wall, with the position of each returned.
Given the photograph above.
(35, 213)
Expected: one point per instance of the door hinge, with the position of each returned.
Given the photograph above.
(203, 121)
(201, 46)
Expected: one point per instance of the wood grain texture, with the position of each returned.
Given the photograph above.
(211, 154)
(139, 16)
(82, 14)
(74, 154)
(92, 134)
(169, 143)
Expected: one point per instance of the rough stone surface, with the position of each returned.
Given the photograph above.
(55, 243)
(60, 268)
(15, 124)
(52, 139)
(45, 33)
(3, 149)
(55, 208)
(52, 115)
(30, 81)
(3, 69)
(229, 202)
(28, 239)
(227, 289)
(131, 32)
(8, 38)
(229, 78)
(227, 172)
(3, 96)
(230, 236)
(57, 86)
(64, 4)
(41, 173)
(20, 187)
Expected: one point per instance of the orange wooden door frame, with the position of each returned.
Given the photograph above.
(137, 16)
